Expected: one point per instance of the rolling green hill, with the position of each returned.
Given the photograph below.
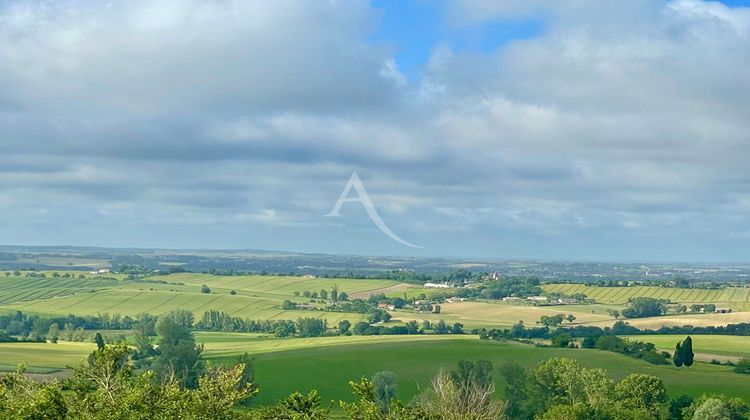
(286, 365)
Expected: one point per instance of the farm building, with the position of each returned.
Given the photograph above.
(437, 286)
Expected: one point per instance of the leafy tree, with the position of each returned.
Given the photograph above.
(288, 305)
(687, 352)
(719, 407)
(441, 327)
(284, 329)
(384, 390)
(205, 289)
(588, 342)
(470, 374)
(295, 407)
(412, 327)
(713, 409)
(677, 358)
(24, 398)
(643, 307)
(613, 313)
(107, 370)
(562, 381)
(335, 294)
(570, 318)
(518, 392)
(181, 317)
(99, 340)
(311, 327)
(323, 294)
(52, 332)
(643, 392)
(343, 296)
(678, 405)
(246, 380)
(551, 321)
(179, 359)
(743, 366)
(562, 340)
(344, 326)
(360, 327)
(457, 328)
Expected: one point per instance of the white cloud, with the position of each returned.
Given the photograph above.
(618, 115)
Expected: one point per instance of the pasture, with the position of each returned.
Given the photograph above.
(706, 347)
(43, 357)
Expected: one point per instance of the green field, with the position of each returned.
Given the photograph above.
(416, 361)
(720, 347)
(327, 364)
(735, 297)
(43, 357)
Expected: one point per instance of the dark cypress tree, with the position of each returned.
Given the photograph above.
(687, 352)
(99, 341)
(677, 359)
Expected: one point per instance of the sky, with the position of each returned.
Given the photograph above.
(578, 130)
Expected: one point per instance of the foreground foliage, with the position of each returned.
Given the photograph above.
(109, 385)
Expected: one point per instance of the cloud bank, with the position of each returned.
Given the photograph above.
(620, 131)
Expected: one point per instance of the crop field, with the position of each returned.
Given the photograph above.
(21, 289)
(257, 297)
(696, 320)
(260, 297)
(281, 286)
(132, 302)
(487, 314)
(733, 296)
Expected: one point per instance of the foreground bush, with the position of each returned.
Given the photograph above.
(106, 387)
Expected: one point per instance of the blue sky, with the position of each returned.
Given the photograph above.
(594, 130)
(416, 28)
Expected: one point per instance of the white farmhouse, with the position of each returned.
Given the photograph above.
(436, 286)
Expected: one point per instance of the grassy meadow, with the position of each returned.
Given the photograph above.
(706, 347)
